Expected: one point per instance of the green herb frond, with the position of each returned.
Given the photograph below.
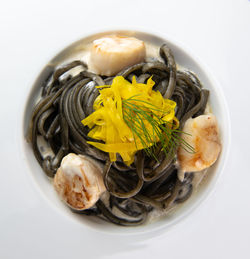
(135, 113)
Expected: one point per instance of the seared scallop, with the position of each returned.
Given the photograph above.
(203, 136)
(78, 182)
(111, 54)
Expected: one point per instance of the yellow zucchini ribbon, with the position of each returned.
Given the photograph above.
(107, 122)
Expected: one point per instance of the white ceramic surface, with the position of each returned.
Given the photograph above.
(32, 32)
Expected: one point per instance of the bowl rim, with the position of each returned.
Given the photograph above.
(192, 208)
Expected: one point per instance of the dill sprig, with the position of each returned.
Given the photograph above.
(137, 112)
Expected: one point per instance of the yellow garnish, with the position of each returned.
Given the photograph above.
(130, 117)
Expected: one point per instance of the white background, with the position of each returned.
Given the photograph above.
(32, 32)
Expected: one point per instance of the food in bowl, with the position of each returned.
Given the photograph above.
(123, 133)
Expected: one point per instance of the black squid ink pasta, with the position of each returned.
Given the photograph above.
(150, 182)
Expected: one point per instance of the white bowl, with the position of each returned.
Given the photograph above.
(217, 101)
